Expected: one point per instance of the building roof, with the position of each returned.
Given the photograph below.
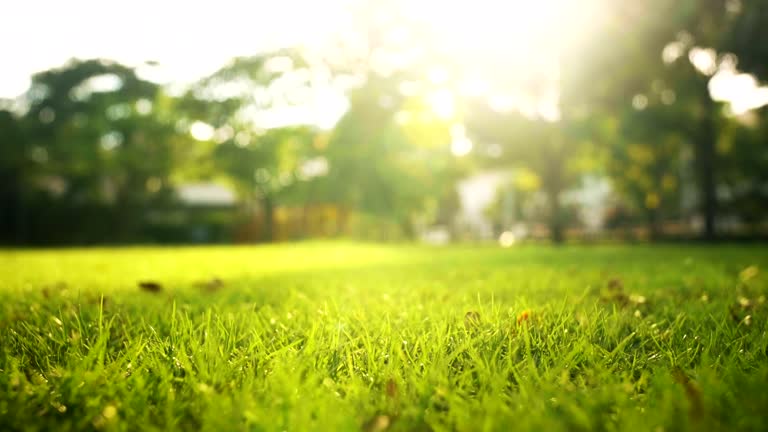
(206, 194)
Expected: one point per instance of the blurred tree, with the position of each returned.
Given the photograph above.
(743, 155)
(574, 98)
(265, 168)
(390, 156)
(551, 152)
(645, 164)
(262, 161)
(698, 37)
(517, 201)
(98, 140)
(659, 92)
(747, 31)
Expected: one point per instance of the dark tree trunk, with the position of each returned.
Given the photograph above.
(268, 209)
(21, 219)
(342, 217)
(555, 216)
(406, 225)
(305, 220)
(305, 209)
(11, 218)
(705, 164)
(654, 229)
(553, 186)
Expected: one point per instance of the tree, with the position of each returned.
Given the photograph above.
(529, 143)
(100, 146)
(389, 155)
(667, 61)
(743, 159)
(699, 35)
(645, 164)
(265, 167)
(262, 161)
(743, 37)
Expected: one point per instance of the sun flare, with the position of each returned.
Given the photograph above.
(496, 49)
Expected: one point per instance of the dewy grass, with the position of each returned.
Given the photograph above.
(342, 336)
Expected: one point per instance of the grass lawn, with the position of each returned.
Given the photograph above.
(344, 336)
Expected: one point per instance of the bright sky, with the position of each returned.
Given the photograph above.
(191, 39)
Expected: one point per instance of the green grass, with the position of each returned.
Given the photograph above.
(342, 336)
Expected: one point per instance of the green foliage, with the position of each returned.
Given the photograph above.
(383, 166)
(96, 141)
(676, 118)
(746, 27)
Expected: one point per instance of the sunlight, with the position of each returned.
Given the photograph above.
(461, 145)
(516, 25)
(201, 131)
(486, 28)
(507, 239)
(474, 86)
(442, 103)
(742, 91)
(438, 75)
(497, 47)
(141, 33)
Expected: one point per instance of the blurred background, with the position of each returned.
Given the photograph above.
(383, 120)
